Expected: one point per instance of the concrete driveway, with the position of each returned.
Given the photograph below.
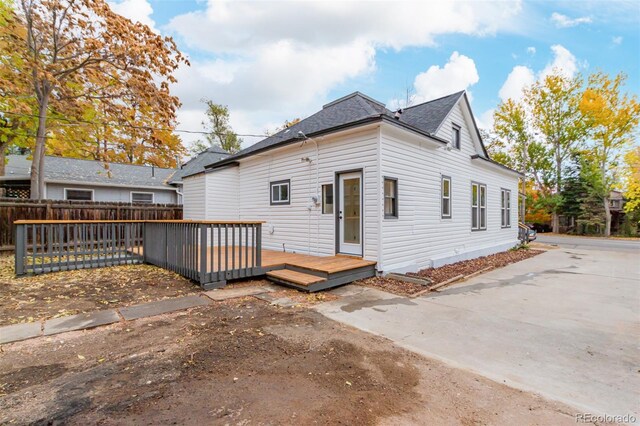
(590, 243)
(564, 324)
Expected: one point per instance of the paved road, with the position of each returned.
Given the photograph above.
(564, 324)
(586, 243)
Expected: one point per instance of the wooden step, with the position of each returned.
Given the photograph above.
(294, 277)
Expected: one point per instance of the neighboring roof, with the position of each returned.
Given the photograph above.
(351, 110)
(197, 164)
(73, 170)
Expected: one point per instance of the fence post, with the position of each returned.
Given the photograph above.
(145, 248)
(20, 248)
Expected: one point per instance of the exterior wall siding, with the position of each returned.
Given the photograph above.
(300, 226)
(420, 238)
(194, 195)
(55, 191)
(223, 194)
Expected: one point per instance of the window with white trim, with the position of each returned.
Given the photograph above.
(478, 206)
(74, 194)
(390, 198)
(142, 197)
(280, 192)
(505, 207)
(327, 198)
(446, 197)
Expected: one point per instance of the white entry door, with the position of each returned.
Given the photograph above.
(350, 213)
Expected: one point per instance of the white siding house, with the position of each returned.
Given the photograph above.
(347, 154)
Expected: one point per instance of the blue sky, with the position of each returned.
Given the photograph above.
(272, 61)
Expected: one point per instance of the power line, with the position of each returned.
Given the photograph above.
(70, 122)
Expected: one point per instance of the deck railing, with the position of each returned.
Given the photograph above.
(204, 251)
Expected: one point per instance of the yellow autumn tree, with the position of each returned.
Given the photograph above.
(79, 54)
(631, 176)
(612, 118)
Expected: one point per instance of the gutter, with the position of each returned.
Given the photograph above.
(368, 120)
(495, 163)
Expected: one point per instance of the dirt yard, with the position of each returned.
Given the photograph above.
(244, 361)
(34, 298)
(446, 272)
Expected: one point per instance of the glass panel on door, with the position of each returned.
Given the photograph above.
(351, 210)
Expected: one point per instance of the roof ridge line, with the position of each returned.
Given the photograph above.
(460, 93)
(108, 162)
(351, 95)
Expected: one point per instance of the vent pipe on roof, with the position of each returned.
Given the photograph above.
(398, 114)
(153, 171)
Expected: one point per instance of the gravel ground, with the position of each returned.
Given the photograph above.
(443, 273)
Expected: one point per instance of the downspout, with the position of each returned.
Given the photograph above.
(379, 204)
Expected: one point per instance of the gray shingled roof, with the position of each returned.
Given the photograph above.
(88, 171)
(430, 115)
(197, 163)
(350, 110)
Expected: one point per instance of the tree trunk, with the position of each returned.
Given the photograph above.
(607, 215)
(555, 221)
(37, 163)
(3, 149)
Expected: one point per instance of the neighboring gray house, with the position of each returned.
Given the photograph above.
(196, 165)
(90, 180)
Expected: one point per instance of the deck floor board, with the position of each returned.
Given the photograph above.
(217, 259)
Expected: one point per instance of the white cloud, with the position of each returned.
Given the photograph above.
(519, 78)
(531, 50)
(563, 62)
(262, 91)
(563, 21)
(458, 74)
(616, 40)
(485, 120)
(136, 10)
(522, 76)
(233, 26)
(271, 61)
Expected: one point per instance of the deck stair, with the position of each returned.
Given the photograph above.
(315, 273)
(287, 276)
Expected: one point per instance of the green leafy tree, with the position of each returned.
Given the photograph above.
(556, 117)
(592, 217)
(612, 118)
(219, 131)
(541, 132)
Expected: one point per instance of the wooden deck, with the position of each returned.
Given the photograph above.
(328, 264)
(303, 271)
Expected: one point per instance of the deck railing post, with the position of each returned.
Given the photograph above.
(203, 253)
(259, 245)
(21, 248)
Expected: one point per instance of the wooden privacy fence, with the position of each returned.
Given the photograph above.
(12, 209)
(207, 252)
